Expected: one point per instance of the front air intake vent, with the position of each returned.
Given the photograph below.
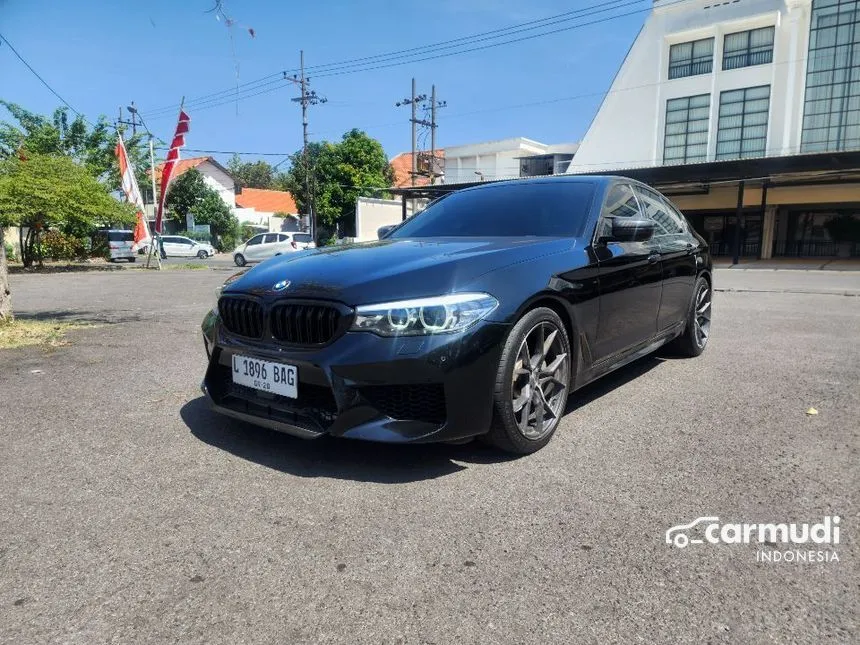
(305, 324)
(242, 316)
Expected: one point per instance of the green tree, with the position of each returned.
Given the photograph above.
(339, 174)
(222, 223)
(90, 147)
(41, 191)
(185, 192)
(257, 174)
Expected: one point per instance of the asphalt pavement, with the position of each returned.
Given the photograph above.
(130, 513)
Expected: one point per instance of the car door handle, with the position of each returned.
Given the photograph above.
(653, 258)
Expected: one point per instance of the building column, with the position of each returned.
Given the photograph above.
(768, 226)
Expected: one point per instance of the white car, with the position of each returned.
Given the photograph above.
(179, 246)
(268, 245)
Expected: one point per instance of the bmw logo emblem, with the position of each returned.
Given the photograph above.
(280, 286)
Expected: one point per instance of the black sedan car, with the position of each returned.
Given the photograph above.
(477, 316)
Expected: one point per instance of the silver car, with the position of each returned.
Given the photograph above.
(268, 245)
(180, 246)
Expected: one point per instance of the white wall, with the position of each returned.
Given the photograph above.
(495, 159)
(628, 129)
(371, 213)
(219, 180)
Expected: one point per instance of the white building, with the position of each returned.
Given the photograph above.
(708, 80)
(713, 81)
(501, 159)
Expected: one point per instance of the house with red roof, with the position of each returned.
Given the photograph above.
(214, 174)
(272, 210)
(267, 210)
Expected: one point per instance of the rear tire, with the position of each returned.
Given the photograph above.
(240, 260)
(533, 380)
(694, 340)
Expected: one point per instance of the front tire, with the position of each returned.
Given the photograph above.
(240, 260)
(532, 383)
(202, 255)
(698, 330)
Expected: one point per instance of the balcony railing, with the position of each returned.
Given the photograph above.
(747, 59)
(691, 68)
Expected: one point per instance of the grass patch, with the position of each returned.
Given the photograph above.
(44, 333)
(187, 265)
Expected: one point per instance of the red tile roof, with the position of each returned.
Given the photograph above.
(183, 166)
(402, 166)
(270, 201)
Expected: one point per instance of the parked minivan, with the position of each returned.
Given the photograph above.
(120, 244)
(268, 245)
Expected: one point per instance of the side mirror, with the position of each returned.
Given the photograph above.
(382, 231)
(626, 229)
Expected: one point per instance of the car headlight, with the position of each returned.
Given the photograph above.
(228, 282)
(436, 315)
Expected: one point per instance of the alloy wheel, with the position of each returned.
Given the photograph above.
(703, 315)
(540, 378)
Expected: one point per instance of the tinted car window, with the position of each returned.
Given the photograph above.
(168, 239)
(255, 240)
(283, 237)
(620, 202)
(271, 238)
(676, 215)
(120, 236)
(304, 238)
(550, 209)
(656, 210)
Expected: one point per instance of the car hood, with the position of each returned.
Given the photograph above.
(391, 269)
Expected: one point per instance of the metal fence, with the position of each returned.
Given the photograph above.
(750, 249)
(815, 248)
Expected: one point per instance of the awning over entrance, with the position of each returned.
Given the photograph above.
(782, 203)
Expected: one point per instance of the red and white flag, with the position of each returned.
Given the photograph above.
(170, 165)
(132, 194)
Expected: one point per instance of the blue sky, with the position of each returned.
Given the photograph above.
(99, 55)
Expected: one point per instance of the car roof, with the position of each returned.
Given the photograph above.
(598, 180)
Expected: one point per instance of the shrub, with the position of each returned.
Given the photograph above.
(197, 235)
(10, 252)
(59, 246)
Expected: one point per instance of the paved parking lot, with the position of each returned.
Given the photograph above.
(130, 513)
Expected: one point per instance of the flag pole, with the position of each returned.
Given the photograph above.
(156, 246)
(152, 243)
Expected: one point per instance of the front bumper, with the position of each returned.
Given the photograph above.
(363, 386)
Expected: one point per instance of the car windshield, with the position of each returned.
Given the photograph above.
(543, 209)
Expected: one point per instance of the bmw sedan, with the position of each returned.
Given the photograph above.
(476, 317)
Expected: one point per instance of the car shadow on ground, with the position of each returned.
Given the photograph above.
(334, 458)
(366, 461)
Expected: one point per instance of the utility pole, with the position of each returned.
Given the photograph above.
(434, 104)
(414, 121)
(134, 113)
(308, 97)
(134, 116)
(413, 101)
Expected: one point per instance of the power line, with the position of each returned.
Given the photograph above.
(43, 81)
(445, 44)
(352, 68)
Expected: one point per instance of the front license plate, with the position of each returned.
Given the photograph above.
(267, 376)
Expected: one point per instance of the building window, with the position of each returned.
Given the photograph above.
(691, 59)
(686, 138)
(831, 113)
(742, 127)
(745, 48)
